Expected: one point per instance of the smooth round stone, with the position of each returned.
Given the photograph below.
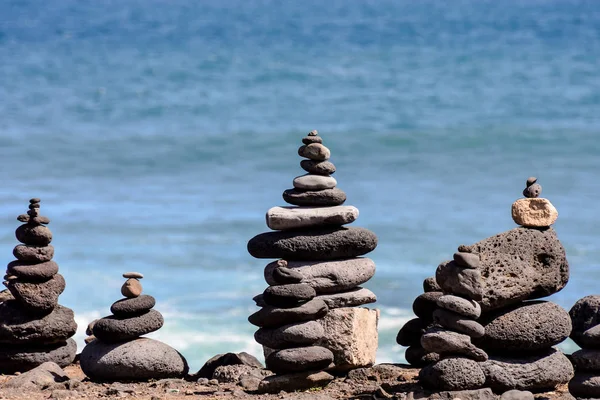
(453, 374)
(443, 341)
(17, 327)
(272, 317)
(517, 395)
(321, 244)
(131, 288)
(90, 328)
(34, 235)
(284, 275)
(35, 200)
(458, 280)
(314, 151)
(285, 218)
(467, 260)
(530, 326)
(40, 220)
(33, 272)
(586, 360)
(21, 358)
(141, 359)
(293, 335)
(312, 139)
(467, 308)
(357, 296)
(314, 132)
(38, 297)
(584, 314)
(530, 181)
(314, 182)
(329, 276)
(591, 337)
(585, 385)
(410, 334)
(430, 285)
(134, 306)
(534, 213)
(288, 295)
(299, 359)
(532, 191)
(319, 198)
(458, 323)
(419, 357)
(29, 253)
(119, 329)
(425, 304)
(133, 275)
(318, 167)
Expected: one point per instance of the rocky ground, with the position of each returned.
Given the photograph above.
(384, 381)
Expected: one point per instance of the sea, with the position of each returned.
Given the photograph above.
(159, 132)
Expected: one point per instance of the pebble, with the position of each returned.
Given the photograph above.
(299, 359)
(517, 395)
(318, 167)
(458, 323)
(468, 308)
(319, 198)
(314, 182)
(288, 295)
(467, 260)
(131, 288)
(314, 132)
(35, 200)
(314, 151)
(272, 317)
(584, 314)
(134, 275)
(533, 191)
(531, 180)
(294, 382)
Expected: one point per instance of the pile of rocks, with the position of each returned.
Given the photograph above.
(34, 328)
(500, 273)
(585, 317)
(309, 320)
(116, 351)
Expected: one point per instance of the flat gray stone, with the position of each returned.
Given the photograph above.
(586, 360)
(299, 359)
(467, 260)
(443, 341)
(419, 357)
(141, 359)
(455, 279)
(272, 317)
(357, 296)
(312, 139)
(318, 167)
(314, 182)
(458, 323)
(465, 307)
(38, 297)
(134, 306)
(17, 327)
(290, 295)
(23, 357)
(476, 394)
(520, 264)
(321, 244)
(294, 382)
(133, 275)
(25, 252)
(314, 151)
(41, 271)
(526, 327)
(517, 395)
(536, 373)
(34, 235)
(283, 275)
(317, 198)
(329, 276)
(40, 377)
(115, 329)
(585, 314)
(430, 285)
(425, 304)
(411, 332)
(453, 374)
(285, 218)
(293, 335)
(585, 385)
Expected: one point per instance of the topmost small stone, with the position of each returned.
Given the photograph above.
(313, 133)
(135, 275)
(531, 180)
(35, 200)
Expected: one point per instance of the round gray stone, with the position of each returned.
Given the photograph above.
(289, 295)
(134, 306)
(119, 329)
(318, 167)
(272, 317)
(318, 198)
(37, 297)
(443, 341)
(419, 357)
(312, 139)
(25, 252)
(21, 358)
(465, 307)
(34, 235)
(458, 323)
(410, 334)
(32, 272)
(425, 304)
(314, 182)
(17, 327)
(322, 244)
(141, 359)
(462, 281)
(586, 360)
(453, 374)
(591, 337)
(357, 296)
(467, 260)
(299, 359)
(293, 335)
(430, 285)
(314, 151)
(585, 385)
(517, 395)
(585, 314)
(533, 191)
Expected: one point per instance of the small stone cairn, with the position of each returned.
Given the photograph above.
(483, 329)
(309, 321)
(34, 328)
(585, 317)
(117, 352)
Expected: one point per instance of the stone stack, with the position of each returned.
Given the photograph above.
(117, 352)
(34, 328)
(585, 317)
(309, 319)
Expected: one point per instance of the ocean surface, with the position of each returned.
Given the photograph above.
(158, 133)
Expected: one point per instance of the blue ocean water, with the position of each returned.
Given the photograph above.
(158, 133)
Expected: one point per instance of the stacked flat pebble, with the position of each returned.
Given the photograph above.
(34, 328)
(316, 280)
(115, 349)
(585, 317)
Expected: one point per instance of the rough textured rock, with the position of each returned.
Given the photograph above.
(299, 359)
(477, 394)
(314, 151)
(283, 275)
(32, 272)
(293, 335)
(318, 167)
(137, 360)
(319, 198)
(586, 360)
(288, 295)
(137, 305)
(453, 374)
(534, 212)
(585, 385)
(36, 235)
(536, 373)
(467, 260)
(453, 278)
(243, 358)
(411, 332)
(520, 264)
(351, 334)
(231, 373)
(17, 327)
(585, 314)
(354, 297)
(39, 378)
(425, 304)
(314, 182)
(20, 358)
(419, 357)
(458, 323)
(272, 317)
(284, 218)
(38, 297)
(528, 326)
(29, 253)
(443, 341)
(591, 337)
(517, 395)
(313, 245)
(329, 276)
(430, 285)
(467, 308)
(293, 382)
(117, 329)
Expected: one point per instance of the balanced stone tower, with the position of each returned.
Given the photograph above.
(116, 352)
(502, 274)
(309, 320)
(34, 328)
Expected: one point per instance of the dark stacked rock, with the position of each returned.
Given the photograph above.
(34, 328)
(315, 282)
(117, 352)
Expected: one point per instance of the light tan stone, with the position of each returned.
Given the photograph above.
(284, 218)
(131, 288)
(534, 213)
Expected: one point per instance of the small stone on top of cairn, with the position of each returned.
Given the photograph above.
(533, 211)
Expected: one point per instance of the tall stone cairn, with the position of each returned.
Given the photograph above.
(309, 321)
(34, 328)
(585, 317)
(501, 274)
